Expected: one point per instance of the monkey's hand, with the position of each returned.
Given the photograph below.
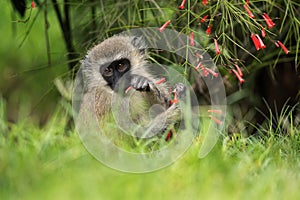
(179, 93)
(180, 90)
(140, 83)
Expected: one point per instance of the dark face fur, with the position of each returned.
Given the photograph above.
(112, 72)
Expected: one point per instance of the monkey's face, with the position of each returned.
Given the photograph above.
(108, 62)
(112, 72)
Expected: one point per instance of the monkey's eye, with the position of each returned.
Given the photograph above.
(122, 67)
(108, 71)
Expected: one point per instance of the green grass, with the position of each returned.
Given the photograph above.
(51, 163)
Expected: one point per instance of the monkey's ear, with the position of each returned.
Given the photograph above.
(139, 43)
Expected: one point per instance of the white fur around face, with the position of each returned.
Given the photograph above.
(111, 49)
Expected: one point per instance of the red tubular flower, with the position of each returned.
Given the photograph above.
(199, 56)
(263, 32)
(163, 27)
(277, 45)
(161, 81)
(268, 20)
(198, 66)
(182, 4)
(203, 19)
(257, 42)
(261, 43)
(32, 4)
(208, 30)
(205, 72)
(238, 76)
(217, 47)
(215, 119)
(169, 135)
(239, 70)
(192, 41)
(128, 89)
(212, 72)
(175, 100)
(247, 1)
(246, 6)
(215, 111)
(205, 2)
(286, 51)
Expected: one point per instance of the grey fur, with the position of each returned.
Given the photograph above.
(131, 48)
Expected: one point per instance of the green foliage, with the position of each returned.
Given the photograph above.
(51, 163)
(26, 80)
(231, 25)
(42, 39)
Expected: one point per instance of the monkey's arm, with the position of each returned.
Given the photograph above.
(170, 116)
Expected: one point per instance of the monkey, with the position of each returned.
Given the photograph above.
(119, 64)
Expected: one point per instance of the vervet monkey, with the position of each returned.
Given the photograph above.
(117, 69)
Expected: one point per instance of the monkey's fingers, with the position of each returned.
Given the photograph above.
(140, 83)
(179, 90)
(175, 99)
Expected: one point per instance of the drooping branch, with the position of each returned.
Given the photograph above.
(65, 26)
(46, 33)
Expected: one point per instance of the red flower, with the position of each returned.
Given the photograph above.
(182, 4)
(212, 72)
(217, 47)
(204, 18)
(192, 41)
(199, 56)
(208, 30)
(246, 6)
(128, 89)
(257, 42)
(175, 99)
(238, 76)
(32, 4)
(239, 70)
(268, 20)
(247, 1)
(262, 45)
(215, 119)
(161, 81)
(205, 2)
(286, 51)
(263, 32)
(163, 27)
(169, 135)
(215, 111)
(205, 72)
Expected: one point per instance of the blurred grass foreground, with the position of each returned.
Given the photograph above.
(257, 155)
(51, 163)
